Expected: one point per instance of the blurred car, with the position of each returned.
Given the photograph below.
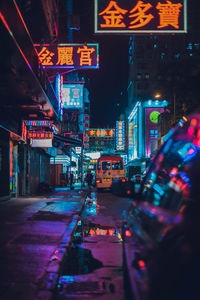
(162, 226)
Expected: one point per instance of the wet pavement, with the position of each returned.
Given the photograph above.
(56, 248)
(93, 264)
(34, 235)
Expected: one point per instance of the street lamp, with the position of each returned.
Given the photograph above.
(157, 96)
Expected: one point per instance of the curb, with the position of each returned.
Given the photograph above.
(48, 281)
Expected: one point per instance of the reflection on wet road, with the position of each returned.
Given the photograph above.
(93, 266)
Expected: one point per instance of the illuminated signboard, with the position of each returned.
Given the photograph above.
(58, 88)
(72, 95)
(135, 16)
(32, 126)
(60, 159)
(152, 114)
(120, 135)
(38, 123)
(100, 133)
(71, 56)
(41, 143)
(40, 135)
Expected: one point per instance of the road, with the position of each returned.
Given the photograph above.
(93, 268)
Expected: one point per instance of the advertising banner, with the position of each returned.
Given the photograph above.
(133, 16)
(152, 114)
(73, 56)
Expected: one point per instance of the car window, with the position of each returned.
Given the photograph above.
(165, 184)
(117, 165)
(106, 165)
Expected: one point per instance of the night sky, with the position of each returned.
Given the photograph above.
(108, 84)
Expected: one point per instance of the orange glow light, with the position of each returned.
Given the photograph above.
(141, 19)
(85, 58)
(169, 14)
(65, 56)
(113, 16)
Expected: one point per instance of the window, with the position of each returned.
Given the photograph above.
(106, 165)
(117, 165)
(139, 76)
(147, 75)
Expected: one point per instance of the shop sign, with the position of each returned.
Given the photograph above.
(40, 135)
(120, 135)
(78, 150)
(60, 159)
(72, 96)
(73, 56)
(100, 133)
(135, 16)
(41, 143)
(152, 114)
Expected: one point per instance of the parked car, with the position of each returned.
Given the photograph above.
(162, 226)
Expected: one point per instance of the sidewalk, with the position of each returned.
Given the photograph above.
(34, 235)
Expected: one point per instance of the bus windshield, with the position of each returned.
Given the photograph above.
(106, 165)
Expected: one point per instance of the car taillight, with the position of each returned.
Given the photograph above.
(123, 180)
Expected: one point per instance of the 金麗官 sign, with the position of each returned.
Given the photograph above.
(79, 56)
(136, 16)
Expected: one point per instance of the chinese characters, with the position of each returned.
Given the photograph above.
(165, 15)
(68, 55)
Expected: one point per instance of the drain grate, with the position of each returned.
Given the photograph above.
(36, 239)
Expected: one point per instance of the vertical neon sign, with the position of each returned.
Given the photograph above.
(120, 135)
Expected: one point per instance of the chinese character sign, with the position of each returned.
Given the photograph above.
(152, 114)
(69, 55)
(120, 135)
(136, 16)
(100, 133)
(72, 95)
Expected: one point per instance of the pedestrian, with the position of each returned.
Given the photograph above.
(71, 180)
(89, 178)
(66, 178)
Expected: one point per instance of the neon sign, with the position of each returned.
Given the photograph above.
(69, 55)
(40, 135)
(72, 95)
(120, 135)
(136, 16)
(152, 114)
(100, 133)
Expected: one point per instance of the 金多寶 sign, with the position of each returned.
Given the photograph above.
(79, 56)
(135, 16)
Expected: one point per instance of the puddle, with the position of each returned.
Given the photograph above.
(79, 261)
(88, 229)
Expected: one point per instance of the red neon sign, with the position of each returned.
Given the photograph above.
(134, 16)
(68, 55)
(40, 135)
